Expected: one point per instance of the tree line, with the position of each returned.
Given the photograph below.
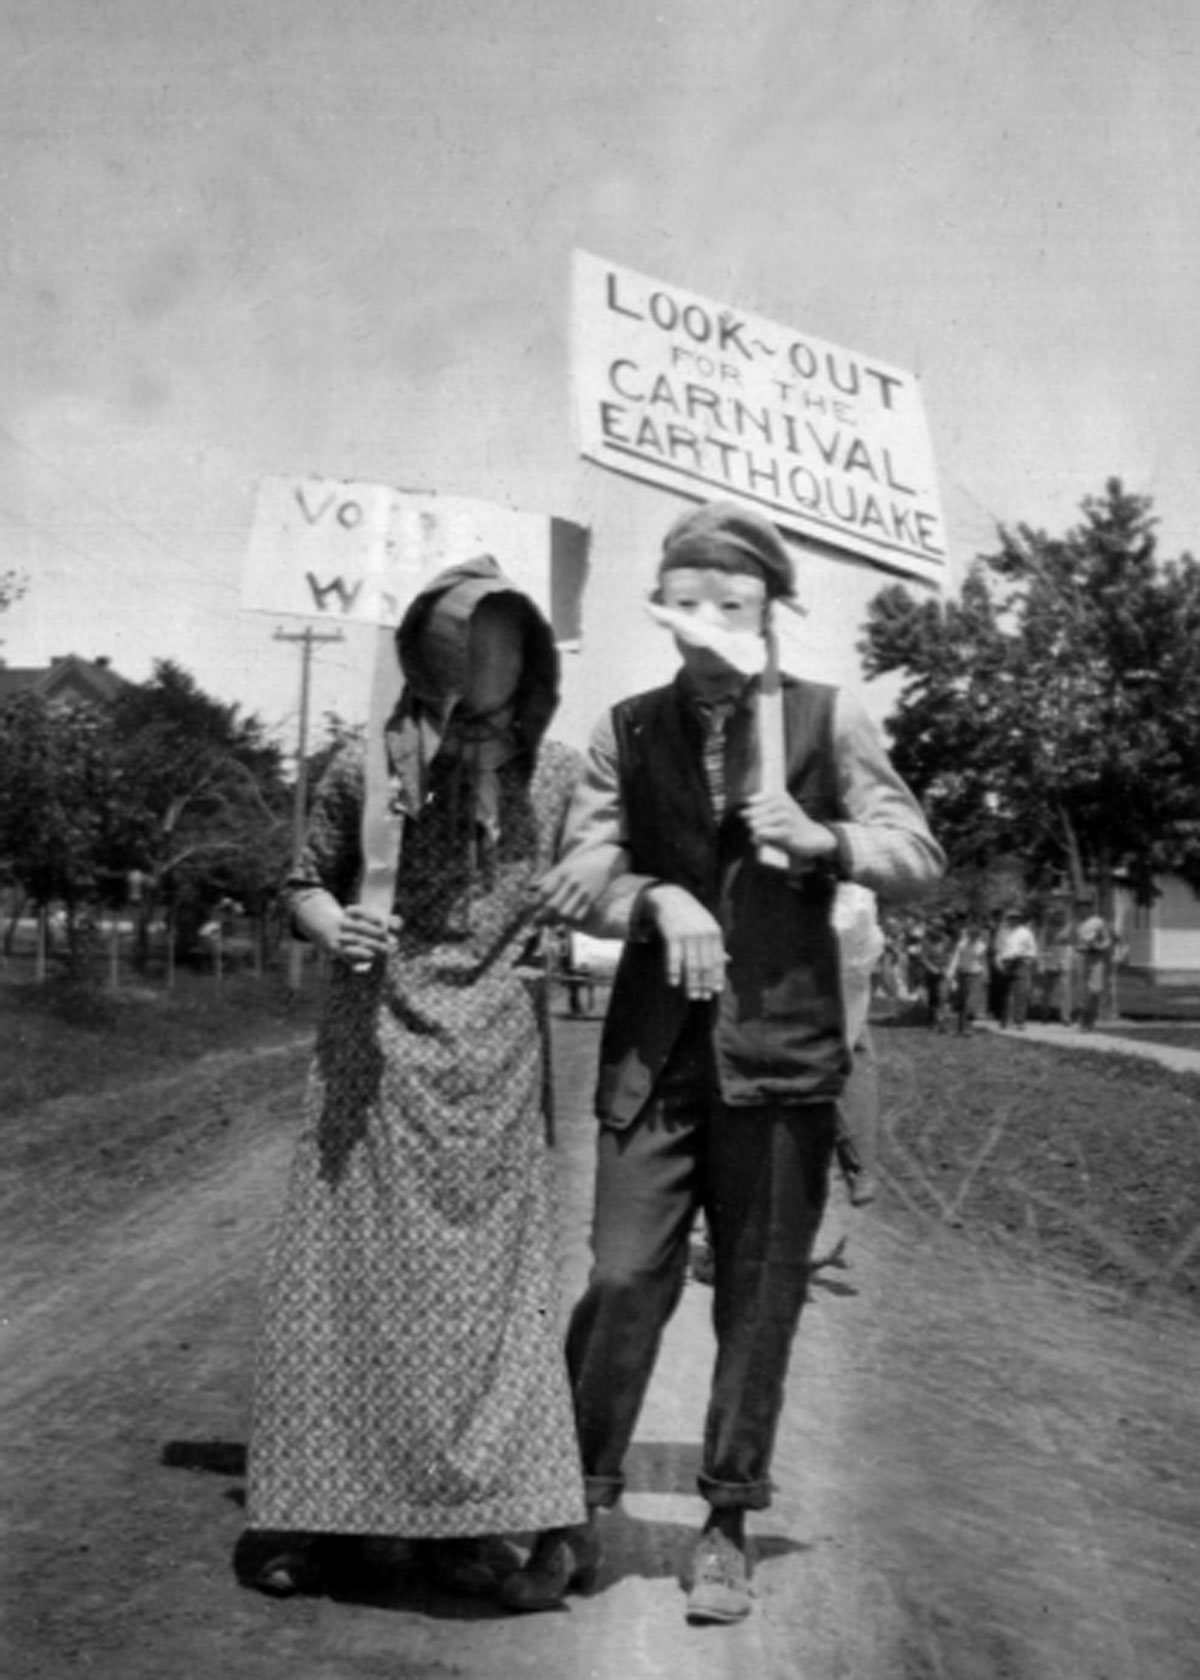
(167, 800)
(1049, 716)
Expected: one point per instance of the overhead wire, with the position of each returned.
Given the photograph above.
(113, 512)
(73, 576)
(55, 537)
(17, 519)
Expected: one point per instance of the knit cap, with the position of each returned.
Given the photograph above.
(729, 538)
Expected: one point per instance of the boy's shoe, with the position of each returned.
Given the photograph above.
(720, 1589)
(862, 1188)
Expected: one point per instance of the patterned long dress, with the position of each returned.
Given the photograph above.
(410, 1378)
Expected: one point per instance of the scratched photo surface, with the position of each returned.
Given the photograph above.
(304, 300)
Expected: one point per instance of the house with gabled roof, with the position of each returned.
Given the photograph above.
(68, 680)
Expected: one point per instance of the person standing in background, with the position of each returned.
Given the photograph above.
(1093, 943)
(1016, 958)
(936, 950)
(966, 976)
(860, 947)
(1058, 956)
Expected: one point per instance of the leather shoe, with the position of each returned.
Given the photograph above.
(282, 1565)
(563, 1560)
(863, 1188)
(720, 1590)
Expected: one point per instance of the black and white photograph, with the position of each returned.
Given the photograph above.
(599, 840)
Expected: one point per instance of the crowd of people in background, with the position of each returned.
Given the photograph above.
(962, 969)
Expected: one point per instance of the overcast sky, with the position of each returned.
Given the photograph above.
(278, 237)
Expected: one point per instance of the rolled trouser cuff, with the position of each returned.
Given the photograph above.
(602, 1492)
(730, 1496)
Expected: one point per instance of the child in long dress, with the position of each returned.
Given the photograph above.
(410, 1379)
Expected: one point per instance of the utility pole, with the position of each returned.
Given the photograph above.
(308, 639)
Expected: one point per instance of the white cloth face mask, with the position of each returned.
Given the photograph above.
(744, 651)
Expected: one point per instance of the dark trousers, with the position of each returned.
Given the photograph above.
(968, 999)
(1018, 987)
(761, 1175)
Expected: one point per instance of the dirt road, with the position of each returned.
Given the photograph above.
(983, 1473)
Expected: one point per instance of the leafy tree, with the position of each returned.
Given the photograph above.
(206, 805)
(167, 781)
(58, 802)
(1052, 711)
(337, 735)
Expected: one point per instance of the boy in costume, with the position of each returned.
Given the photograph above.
(724, 1049)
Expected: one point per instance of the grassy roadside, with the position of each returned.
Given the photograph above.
(1087, 1162)
(57, 1039)
(107, 1097)
(1184, 1036)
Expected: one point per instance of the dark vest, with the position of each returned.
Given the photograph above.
(777, 1028)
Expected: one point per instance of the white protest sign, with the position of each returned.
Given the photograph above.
(359, 552)
(343, 550)
(318, 548)
(711, 401)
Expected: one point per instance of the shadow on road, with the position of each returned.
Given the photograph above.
(388, 1574)
(223, 1458)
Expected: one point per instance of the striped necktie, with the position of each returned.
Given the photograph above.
(716, 715)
